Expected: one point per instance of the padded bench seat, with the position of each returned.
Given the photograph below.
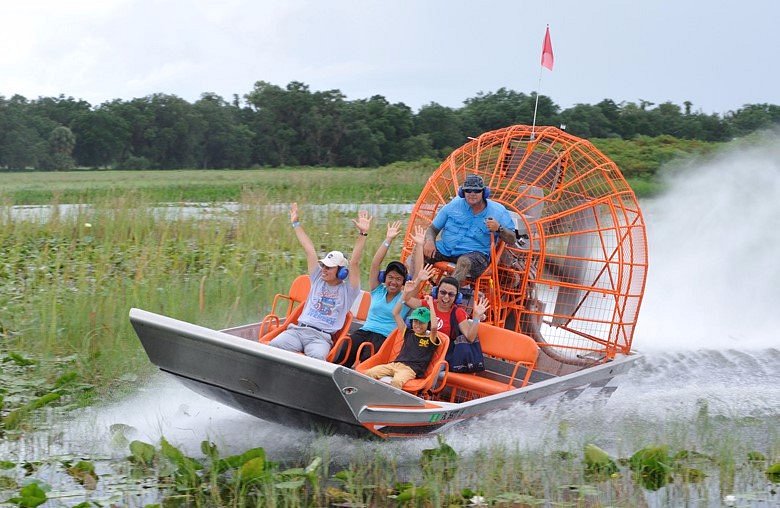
(507, 345)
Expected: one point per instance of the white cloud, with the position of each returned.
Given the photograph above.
(409, 51)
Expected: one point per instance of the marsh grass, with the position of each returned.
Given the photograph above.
(395, 183)
(67, 284)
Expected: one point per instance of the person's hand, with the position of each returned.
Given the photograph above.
(393, 229)
(363, 222)
(478, 312)
(409, 289)
(429, 248)
(429, 303)
(492, 224)
(294, 212)
(425, 273)
(419, 235)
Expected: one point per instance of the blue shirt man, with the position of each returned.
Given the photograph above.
(466, 225)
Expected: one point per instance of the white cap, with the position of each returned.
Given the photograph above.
(334, 258)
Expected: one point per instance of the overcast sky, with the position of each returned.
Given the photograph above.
(719, 55)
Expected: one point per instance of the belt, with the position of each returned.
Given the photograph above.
(315, 328)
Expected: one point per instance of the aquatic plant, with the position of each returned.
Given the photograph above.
(652, 466)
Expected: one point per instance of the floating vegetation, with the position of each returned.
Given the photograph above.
(598, 463)
(652, 466)
(441, 477)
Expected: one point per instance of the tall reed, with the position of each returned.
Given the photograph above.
(67, 283)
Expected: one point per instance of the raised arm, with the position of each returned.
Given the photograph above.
(399, 321)
(373, 275)
(469, 327)
(417, 257)
(363, 224)
(423, 275)
(303, 239)
(429, 303)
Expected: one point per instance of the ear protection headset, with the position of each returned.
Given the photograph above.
(485, 190)
(458, 297)
(342, 273)
(398, 267)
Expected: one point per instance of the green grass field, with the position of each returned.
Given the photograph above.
(395, 183)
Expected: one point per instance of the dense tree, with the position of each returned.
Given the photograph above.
(294, 125)
(226, 143)
(60, 148)
(443, 127)
(102, 138)
(753, 117)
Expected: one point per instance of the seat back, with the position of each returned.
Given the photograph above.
(511, 346)
(299, 290)
(363, 306)
(421, 385)
(386, 354)
(389, 352)
(273, 324)
(342, 343)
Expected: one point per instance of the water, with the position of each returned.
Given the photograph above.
(226, 210)
(710, 376)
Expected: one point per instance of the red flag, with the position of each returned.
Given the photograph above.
(547, 52)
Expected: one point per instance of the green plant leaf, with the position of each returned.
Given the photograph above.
(252, 470)
(290, 484)
(84, 473)
(652, 466)
(598, 462)
(30, 496)
(142, 453)
(773, 472)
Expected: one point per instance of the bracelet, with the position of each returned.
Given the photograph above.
(363, 234)
(386, 244)
(296, 224)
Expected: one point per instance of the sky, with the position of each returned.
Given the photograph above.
(718, 55)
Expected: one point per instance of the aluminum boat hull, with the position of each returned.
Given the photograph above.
(272, 384)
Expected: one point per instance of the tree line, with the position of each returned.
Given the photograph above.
(294, 125)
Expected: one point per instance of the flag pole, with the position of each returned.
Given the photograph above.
(547, 61)
(536, 104)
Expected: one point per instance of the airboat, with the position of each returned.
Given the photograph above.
(564, 301)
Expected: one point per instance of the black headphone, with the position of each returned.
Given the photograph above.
(396, 267)
(475, 179)
(458, 297)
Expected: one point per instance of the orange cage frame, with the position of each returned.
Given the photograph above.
(576, 278)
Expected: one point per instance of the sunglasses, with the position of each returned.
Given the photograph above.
(451, 294)
(472, 191)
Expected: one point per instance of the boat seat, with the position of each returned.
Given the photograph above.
(502, 344)
(362, 305)
(273, 324)
(342, 343)
(389, 351)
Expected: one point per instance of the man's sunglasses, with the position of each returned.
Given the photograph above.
(451, 294)
(472, 191)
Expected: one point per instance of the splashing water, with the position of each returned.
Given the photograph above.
(714, 237)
